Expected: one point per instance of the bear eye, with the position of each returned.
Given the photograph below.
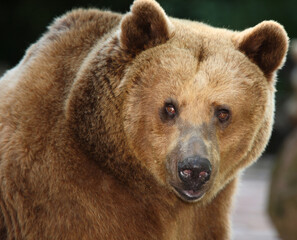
(170, 110)
(223, 115)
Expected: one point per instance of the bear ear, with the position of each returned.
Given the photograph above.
(266, 45)
(145, 26)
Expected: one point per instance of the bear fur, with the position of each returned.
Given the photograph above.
(87, 150)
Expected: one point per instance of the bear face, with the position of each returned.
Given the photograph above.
(186, 108)
(181, 112)
(200, 106)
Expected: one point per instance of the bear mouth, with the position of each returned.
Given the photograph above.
(189, 195)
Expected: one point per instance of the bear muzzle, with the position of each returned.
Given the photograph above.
(193, 172)
(191, 164)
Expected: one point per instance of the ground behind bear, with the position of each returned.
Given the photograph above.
(250, 219)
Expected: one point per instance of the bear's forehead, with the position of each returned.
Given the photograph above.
(224, 66)
(195, 35)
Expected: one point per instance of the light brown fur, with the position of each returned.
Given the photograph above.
(83, 151)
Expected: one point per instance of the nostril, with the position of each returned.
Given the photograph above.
(203, 176)
(186, 173)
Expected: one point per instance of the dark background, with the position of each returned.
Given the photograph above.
(22, 22)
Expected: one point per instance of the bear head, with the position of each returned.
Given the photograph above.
(191, 104)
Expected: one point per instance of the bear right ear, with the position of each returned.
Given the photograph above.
(145, 26)
(266, 45)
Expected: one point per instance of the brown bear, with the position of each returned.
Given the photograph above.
(133, 126)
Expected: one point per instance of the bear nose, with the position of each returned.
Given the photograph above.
(194, 170)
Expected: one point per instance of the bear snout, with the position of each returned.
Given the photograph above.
(194, 171)
(191, 179)
(191, 167)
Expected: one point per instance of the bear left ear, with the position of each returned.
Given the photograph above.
(145, 26)
(266, 45)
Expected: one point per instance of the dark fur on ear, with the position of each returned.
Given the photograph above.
(144, 27)
(266, 45)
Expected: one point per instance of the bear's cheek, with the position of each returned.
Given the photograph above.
(160, 140)
(234, 142)
(149, 139)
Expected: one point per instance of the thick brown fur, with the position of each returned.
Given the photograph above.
(84, 153)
